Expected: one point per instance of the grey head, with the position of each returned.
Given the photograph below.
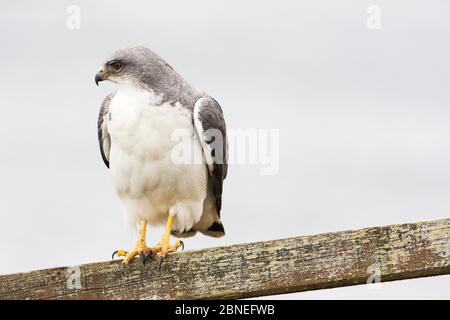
(141, 67)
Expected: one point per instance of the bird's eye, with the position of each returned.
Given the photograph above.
(117, 66)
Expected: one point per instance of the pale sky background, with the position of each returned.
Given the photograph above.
(363, 118)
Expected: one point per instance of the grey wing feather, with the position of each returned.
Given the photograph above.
(210, 125)
(102, 129)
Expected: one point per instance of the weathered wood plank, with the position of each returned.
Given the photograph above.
(254, 269)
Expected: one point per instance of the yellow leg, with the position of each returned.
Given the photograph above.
(140, 249)
(164, 246)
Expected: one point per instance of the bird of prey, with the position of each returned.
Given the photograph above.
(136, 133)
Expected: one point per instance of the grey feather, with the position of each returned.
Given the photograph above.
(146, 69)
(208, 121)
(104, 139)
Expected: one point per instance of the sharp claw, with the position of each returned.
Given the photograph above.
(114, 253)
(144, 255)
(161, 259)
(182, 245)
(124, 269)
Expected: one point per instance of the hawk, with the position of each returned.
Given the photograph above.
(138, 126)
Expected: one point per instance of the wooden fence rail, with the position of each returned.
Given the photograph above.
(321, 261)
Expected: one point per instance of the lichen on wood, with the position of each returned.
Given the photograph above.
(321, 261)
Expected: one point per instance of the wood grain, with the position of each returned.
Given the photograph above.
(254, 269)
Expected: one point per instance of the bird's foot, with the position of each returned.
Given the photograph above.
(140, 250)
(163, 247)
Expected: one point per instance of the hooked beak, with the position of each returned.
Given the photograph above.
(100, 75)
(98, 78)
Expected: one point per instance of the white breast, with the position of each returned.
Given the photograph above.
(147, 180)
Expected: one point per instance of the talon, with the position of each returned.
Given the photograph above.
(119, 253)
(163, 247)
(124, 269)
(140, 249)
(144, 256)
(161, 259)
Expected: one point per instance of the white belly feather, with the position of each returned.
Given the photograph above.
(147, 180)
